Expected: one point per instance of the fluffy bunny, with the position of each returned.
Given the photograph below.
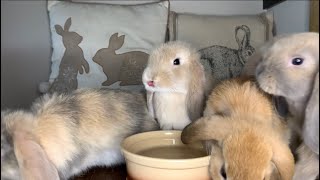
(174, 79)
(225, 62)
(63, 135)
(251, 139)
(289, 67)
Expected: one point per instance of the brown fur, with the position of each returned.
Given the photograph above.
(242, 121)
(178, 94)
(251, 146)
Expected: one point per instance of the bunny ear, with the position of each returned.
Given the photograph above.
(67, 24)
(116, 42)
(33, 161)
(311, 122)
(283, 160)
(59, 29)
(196, 94)
(247, 32)
(242, 40)
(236, 31)
(240, 37)
(207, 128)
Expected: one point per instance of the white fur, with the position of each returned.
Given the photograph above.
(104, 158)
(172, 117)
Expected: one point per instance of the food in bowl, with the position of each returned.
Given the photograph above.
(160, 155)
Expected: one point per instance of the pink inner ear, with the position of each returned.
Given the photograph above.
(33, 161)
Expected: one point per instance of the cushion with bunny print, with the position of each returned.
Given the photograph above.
(224, 42)
(103, 45)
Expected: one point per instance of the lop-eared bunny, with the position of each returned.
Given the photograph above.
(289, 67)
(251, 139)
(174, 79)
(64, 135)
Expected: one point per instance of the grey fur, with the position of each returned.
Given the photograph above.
(310, 128)
(308, 164)
(9, 164)
(278, 74)
(223, 62)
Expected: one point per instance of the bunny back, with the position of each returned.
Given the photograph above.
(239, 96)
(83, 128)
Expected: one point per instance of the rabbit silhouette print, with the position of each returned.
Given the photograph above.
(224, 62)
(130, 63)
(72, 62)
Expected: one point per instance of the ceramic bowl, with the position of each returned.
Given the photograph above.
(160, 155)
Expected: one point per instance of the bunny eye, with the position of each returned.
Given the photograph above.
(176, 61)
(249, 53)
(297, 61)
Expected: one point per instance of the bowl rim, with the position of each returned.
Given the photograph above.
(162, 163)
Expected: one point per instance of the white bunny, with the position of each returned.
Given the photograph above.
(174, 79)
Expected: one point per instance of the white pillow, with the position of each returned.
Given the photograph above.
(103, 45)
(224, 42)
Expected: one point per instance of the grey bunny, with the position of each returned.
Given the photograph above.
(222, 62)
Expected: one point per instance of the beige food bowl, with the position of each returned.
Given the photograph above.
(160, 155)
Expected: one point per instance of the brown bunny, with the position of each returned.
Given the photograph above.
(72, 61)
(112, 62)
(251, 139)
(288, 66)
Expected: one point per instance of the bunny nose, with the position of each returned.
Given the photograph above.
(150, 83)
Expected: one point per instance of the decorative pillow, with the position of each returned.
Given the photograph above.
(103, 45)
(224, 42)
